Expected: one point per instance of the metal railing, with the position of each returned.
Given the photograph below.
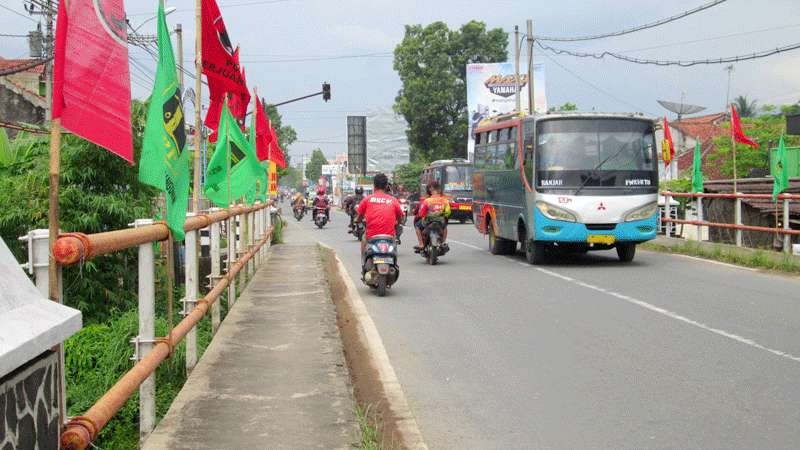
(784, 230)
(249, 244)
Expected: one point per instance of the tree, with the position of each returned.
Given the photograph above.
(99, 192)
(568, 106)
(745, 107)
(314, 166)
(408, 175)
(432, 64)
(765, 130)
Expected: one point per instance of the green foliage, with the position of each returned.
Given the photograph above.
(408, 175)
(568, 106)
(764, 130)
(431, 62)
(314, 166)
(745, 107)
(99, 192)
(759, 259)
(277, 232)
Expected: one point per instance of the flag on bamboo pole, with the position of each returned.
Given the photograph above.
(738, 133)
(697, 168)
(243, 163)
(260, 190)
(781, 175)
(275, 151)
(220, 61)
(91, 79)
(263, 136)
(165, 163)
(667, 147)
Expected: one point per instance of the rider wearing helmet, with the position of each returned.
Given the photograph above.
(322, 202)
(434, 208)
(351, 203)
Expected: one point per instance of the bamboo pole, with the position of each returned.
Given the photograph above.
(53, 288)
(198, 89)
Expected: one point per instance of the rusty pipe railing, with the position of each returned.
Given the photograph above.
(72, 248)
(731, 195)
(732, 226)
(81, 431)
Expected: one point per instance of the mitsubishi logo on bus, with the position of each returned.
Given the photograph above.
(601, 207)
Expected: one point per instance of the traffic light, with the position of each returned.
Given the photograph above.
(326, 91)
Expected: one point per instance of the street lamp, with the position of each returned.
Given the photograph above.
(167, 12)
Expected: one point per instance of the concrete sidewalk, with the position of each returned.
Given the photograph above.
(274, 376)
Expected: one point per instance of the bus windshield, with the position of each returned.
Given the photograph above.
(457, 178)
(595, 152)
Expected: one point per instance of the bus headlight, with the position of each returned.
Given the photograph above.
(554, 212)
(641, 213)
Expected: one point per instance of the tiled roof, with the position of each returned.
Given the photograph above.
(9, 63)
(705, 128)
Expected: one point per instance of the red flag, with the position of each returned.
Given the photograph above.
(91, 82)
(275, 152)
(263, 134)
(738, 133)
(238, 102)
(667, 147)
(220, 62)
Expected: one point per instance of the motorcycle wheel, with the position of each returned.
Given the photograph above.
(381, 288)
(433, 256)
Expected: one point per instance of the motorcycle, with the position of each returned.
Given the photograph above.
(358, 230)
(380, 270)
(319, 217)
(405, 207)
(432, 238)
(299, 212)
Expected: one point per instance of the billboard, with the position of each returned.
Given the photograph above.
(357, 144)
(387, 141)
(491, 90)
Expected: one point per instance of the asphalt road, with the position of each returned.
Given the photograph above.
(587, 352)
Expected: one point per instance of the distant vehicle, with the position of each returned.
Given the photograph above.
(566, 182)
(455, 176)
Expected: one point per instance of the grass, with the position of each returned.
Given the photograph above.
(758, 259)
(277, 232)
(369, 425)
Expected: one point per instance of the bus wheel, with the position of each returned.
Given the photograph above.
(497, 245)
(626, 252)
(535, 252)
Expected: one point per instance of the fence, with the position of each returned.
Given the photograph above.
(254, 226)
(785, 230)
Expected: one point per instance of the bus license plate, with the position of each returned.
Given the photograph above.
(465, 208)
(601, 239)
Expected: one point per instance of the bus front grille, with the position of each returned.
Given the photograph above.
(601, 226)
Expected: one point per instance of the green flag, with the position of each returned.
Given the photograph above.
(259, 191)
(164, 163)
(244, 166)
(697, 169)
(781, 177)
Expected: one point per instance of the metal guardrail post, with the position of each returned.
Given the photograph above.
(251, 242)
(667, 215)
(241, 247)
(190, 299)
(214, 237)
(259, 234)
(787, 239)
(231, 259)
(268, 217)
(143, 343)
(700, 219)
(737, 212)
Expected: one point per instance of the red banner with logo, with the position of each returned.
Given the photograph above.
(220, 62)
(91, 81)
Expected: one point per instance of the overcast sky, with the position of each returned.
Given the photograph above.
(283, 44)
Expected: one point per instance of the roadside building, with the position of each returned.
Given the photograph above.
(22, 98)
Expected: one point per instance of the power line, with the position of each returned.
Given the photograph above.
(680, 63)
(14, 35)
(634, 29)
(18, 13)
(713, 38)
(594, 86)
(223, 5)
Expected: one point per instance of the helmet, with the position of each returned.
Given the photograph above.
(359, 190)
(321, 191)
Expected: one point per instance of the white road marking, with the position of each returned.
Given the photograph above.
(474, 247)
(672, 315)
(711, 261)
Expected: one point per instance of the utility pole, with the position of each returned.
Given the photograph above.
(198, 90)
(516, 67)
(729, 68)
(179, 42)
(531, 104)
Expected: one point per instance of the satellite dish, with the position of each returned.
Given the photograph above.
(681, 108)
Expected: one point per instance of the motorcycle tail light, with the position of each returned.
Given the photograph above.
(383, 247)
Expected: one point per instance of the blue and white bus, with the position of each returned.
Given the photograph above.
(566, 182)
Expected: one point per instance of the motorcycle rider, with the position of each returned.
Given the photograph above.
(381, 211)
(298, 201)
(352, 202)
(321, 202)
(435, 207)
